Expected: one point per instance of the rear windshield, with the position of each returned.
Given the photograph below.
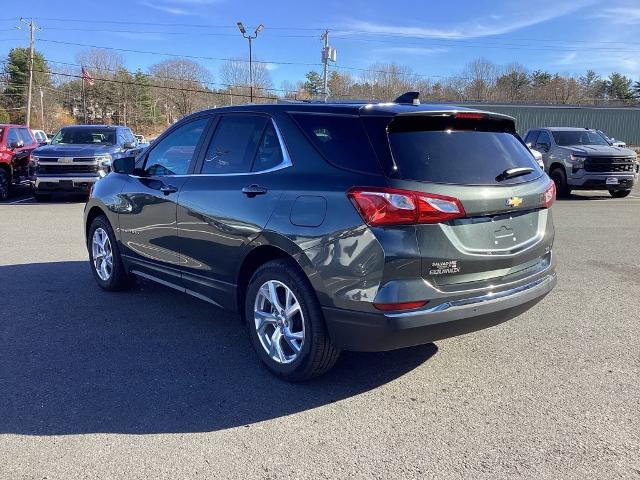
(457, 151)
(84, 136)
(580, 137)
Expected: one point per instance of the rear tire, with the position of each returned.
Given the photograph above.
(295, 347)
(560, 179)
(619, 193)
(104, 256)
(5, 184)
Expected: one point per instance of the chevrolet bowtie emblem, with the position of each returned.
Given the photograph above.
(514, 202)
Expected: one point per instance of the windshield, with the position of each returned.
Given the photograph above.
(84, 136)
(578, 137)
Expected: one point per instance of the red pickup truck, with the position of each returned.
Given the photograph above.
(16, 144)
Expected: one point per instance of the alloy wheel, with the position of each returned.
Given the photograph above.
(279, 321)
(102, 254)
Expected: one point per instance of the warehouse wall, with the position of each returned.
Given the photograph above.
(621, 123)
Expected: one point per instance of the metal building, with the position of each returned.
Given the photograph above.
(622, 123)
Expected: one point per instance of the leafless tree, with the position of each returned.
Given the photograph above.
(481, 76)
(236, 79)
(180, 87)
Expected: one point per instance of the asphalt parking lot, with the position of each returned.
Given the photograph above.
(154, 384)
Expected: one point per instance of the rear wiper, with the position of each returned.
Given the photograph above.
(514, 172)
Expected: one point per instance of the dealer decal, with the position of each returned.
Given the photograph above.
(444, 267)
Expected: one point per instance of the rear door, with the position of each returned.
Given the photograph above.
(474, 159)
(21, 155)
(147, 214)
(227, 203)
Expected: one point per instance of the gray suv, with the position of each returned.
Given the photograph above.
(333, 227)
(581, 159)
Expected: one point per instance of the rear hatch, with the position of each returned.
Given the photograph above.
(474, 163)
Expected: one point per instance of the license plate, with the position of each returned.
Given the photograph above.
(612, 181)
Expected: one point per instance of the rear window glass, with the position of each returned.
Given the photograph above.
(446, 150)
(342, 141)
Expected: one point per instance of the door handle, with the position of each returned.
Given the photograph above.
(253, 190)
(167, 189)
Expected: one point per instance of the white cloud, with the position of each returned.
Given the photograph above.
(492, 24)
(177, 7)
(271, 66)
(620, 15)
(413, 50)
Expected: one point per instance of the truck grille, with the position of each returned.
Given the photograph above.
(66, 168)
(608, 164)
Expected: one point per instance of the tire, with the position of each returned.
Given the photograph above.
(42, 197)
(560, 179)
(113, 277)
(619, 193)
(316, 354)
(5, 184)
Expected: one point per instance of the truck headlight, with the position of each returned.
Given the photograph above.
(577, 162)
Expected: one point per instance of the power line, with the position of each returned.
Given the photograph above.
(169, 54)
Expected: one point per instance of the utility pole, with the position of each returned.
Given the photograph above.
(325, 63)
(243, 31)
(32, 28)
(328, 55)
(42, 108)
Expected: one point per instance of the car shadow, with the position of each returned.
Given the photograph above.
(75, 359)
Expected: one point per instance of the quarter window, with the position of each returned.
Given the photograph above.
(173, 154)
(235, 143)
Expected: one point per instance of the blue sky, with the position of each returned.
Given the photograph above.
(434, 38)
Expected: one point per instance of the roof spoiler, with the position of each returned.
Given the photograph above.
(410, 98)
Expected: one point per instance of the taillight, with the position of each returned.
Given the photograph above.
(390, 206)
(549, 195)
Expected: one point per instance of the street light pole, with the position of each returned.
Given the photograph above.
(243, 31)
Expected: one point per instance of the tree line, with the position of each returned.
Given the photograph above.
(149, 100)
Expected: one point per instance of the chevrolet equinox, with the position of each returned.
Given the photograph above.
(333, 227)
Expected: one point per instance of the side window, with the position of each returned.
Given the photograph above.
(172, 155)
(269, 151)
(531, 138)
(25, 136)
(121, 139)
(544, 142)
(234, 144)
(12, 135)
(128, 136)
(341, 139)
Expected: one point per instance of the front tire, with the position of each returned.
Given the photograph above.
(104, 256)
(286, 324)
(5, 184)
(560, 179)
(619, 193)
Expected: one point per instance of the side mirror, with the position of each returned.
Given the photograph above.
(128, 145)
(13, 144)
(124, 165)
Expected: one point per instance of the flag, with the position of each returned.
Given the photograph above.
(86, 77)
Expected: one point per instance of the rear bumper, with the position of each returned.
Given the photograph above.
(64, 183)
(352, 330)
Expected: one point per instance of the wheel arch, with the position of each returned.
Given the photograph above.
(556, 165)
(268, 247)
(94, 212)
